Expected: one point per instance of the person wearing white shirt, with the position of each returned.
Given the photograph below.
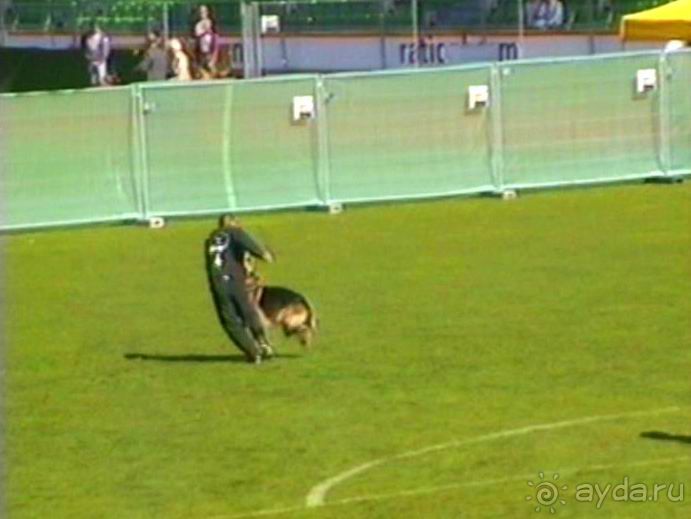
(549, 14)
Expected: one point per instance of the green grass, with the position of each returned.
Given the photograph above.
(440, 321)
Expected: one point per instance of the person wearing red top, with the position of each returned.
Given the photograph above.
(206, 40)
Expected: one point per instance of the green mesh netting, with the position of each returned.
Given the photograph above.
(67, 157)
(577, 121)
(679, 107)
(163, 149)
(406, 134)
(227, 146)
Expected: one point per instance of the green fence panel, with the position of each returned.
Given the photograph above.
(226, 146)
(679, 105)
(402, 135)
(67, 158)
(178, 149)
(578, 121)
(275, 158)
(185, 143)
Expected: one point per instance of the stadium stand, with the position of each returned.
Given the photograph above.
(136, 16)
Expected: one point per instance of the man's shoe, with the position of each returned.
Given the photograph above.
(267, 351)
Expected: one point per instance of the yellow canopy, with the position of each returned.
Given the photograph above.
(671, 21)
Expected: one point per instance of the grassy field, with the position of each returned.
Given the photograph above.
(466, 346)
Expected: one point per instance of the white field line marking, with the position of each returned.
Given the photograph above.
(317, 494)
(489, 482)
(454, 486)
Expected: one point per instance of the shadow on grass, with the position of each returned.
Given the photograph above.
(663, 436)
(193, 357)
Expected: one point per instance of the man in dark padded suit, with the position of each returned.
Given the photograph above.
(225, 253)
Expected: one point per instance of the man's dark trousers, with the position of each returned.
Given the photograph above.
(237, 314)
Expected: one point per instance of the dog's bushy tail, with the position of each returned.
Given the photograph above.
(309, 328)
(312, 321)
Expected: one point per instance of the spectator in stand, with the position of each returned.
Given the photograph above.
(155, 64)
(531, 9)
(548, 14)
(206, 45)
(181, 63)
(96, 48)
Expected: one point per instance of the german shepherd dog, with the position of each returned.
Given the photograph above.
(278, 307)
(282, 307)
